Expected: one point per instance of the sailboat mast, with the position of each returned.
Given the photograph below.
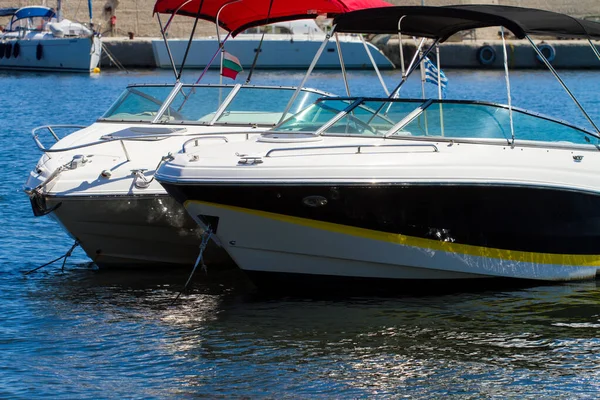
(91, 14)
(59, 10)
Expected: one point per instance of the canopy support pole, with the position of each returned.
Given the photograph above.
(258, 51)
(506, 76)
(551, 68)
(414, 63)
(187, 49)
(310, 68)
(401, 47)
(163, 32)
(422, 70)
(342, 65)
(383, 85)
(175, 13)
(594, 49)
(221, 48)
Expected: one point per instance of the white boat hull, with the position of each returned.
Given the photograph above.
(275, 54)
(58, 54)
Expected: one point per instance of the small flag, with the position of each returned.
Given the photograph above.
(231, 65)
(431, 75)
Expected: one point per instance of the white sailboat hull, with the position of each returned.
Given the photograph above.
(276, 53)
(58, 54)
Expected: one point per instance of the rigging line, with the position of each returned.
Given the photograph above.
(259, 45)
(221, 45)
(113, 59)
(187, 49)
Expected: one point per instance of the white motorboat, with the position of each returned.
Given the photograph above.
(285, 45)
(390, 190)
(37, 39)
(97, 181)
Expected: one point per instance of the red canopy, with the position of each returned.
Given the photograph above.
(244, 14)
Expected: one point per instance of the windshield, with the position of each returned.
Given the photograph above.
(138, 103)
(449, 119)
(210, 104)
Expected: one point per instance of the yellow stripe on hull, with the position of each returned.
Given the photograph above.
(464, 249)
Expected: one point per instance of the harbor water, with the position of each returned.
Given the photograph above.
(85, 334)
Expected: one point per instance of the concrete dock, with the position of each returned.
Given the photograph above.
(478, 54)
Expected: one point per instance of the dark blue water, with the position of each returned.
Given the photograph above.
(91, 334)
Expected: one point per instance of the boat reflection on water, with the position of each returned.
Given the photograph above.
(233, 343)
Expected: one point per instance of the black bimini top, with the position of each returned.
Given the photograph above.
(443, 22)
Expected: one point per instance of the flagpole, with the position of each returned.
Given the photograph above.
(221, 45)
(422, 68)
(439, 77)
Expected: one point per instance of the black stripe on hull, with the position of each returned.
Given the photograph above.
(122, 232)
(528, 219)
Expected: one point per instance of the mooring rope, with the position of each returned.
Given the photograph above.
(205, 239)
(64, 256)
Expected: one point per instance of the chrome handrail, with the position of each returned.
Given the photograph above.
(133, 138)
(358, 146)
(50, 128)
(195, 139)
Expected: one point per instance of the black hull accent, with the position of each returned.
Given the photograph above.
(135, 232)
(516, 218)
(286, 284)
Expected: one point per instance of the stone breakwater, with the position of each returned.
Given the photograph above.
(564, 54)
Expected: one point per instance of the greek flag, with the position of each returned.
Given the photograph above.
(431, 75)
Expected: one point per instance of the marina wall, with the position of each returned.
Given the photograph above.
(569, 54)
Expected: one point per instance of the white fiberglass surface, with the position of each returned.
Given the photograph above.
(435, 119)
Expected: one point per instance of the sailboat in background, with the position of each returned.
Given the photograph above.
(283, 45)
(37, 38)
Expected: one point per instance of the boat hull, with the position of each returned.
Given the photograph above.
(57, 54)
(400, 231)
(134, 231)
(275, 54)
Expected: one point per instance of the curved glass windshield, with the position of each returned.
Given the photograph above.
(450, 119)
(486, 121)
(264, 106)
(315, 116)
(138, 103)
(210, 104)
